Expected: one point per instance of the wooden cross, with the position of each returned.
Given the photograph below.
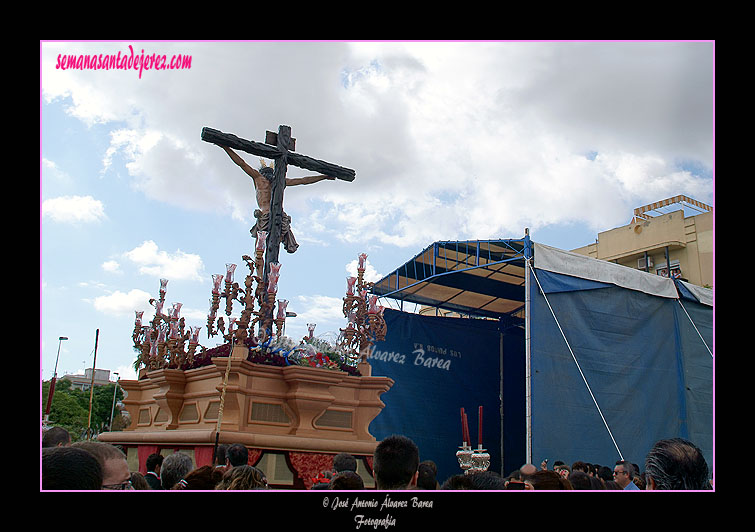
(278, 147)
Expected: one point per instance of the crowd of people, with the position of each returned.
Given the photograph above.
(672, 464)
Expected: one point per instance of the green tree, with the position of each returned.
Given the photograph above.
(70, 407)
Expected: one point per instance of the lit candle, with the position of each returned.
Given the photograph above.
(479, 427)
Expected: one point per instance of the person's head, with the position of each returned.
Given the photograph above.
(623, 473)
(488, 480)
(267, 171)
(344, 462)
(526, 471)
(580, 466)
(115, 472)
(395, 463)
(138, 481)
(459, 482)
(605, 473)
(676, 464)
(346, 480)
(237, 455)
(580, 480)
(154, 461)
(549, 480)
(562, 469)
(175, 467)
(56, 437)
(243, 477)
(220, 455)
(70, 468)
(202, 478)
(426, 478)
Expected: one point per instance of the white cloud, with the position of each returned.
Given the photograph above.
(176, 266)
(371, 275)
(120, 304)
(111, 266)
(448, 140)
(73, 209)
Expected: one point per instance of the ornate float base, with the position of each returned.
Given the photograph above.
(294, 417)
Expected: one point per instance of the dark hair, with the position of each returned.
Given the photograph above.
(395, 461)
(70, 468)
(677, 464)
(55, 436)
(549, 480)
(426, 479)
(459, 482)
(487, 480)
(346, 480)
(202, 478)
(139, 482)
(344, 462)
(580, 466)
(154, 460)
(237, 454)
(580, 480)
(243, 477)
(605, 473)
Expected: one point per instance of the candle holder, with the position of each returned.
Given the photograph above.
(366, 322)
(480, 460)
(464, 456)
(163, 342)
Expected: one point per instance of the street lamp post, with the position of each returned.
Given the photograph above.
(115, 391)
(52, 382)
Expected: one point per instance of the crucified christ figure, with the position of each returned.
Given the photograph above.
(262, 179)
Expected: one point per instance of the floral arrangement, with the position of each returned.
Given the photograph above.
(283, 351)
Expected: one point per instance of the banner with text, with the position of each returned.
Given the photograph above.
(441, 365)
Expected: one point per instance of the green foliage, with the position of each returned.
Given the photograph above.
(70, 407)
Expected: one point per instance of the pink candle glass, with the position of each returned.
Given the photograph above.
(350, 282)
(217, 279)
(229, 269)
(282, 304)
(138, 321)
(261, 239)
(362, 257)
(176, 311)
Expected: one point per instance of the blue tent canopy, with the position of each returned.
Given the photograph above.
(574, 358)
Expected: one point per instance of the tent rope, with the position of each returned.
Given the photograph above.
(578, 366)
(695, 326)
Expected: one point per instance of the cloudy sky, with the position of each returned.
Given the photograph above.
(449, 141)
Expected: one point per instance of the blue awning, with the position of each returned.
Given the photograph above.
(482, 278)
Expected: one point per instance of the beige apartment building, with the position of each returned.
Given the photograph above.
(661, 243)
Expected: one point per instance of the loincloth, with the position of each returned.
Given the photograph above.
(263, 224)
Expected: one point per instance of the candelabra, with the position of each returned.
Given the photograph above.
(263, 295)
(366, 323)
(163, 343)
